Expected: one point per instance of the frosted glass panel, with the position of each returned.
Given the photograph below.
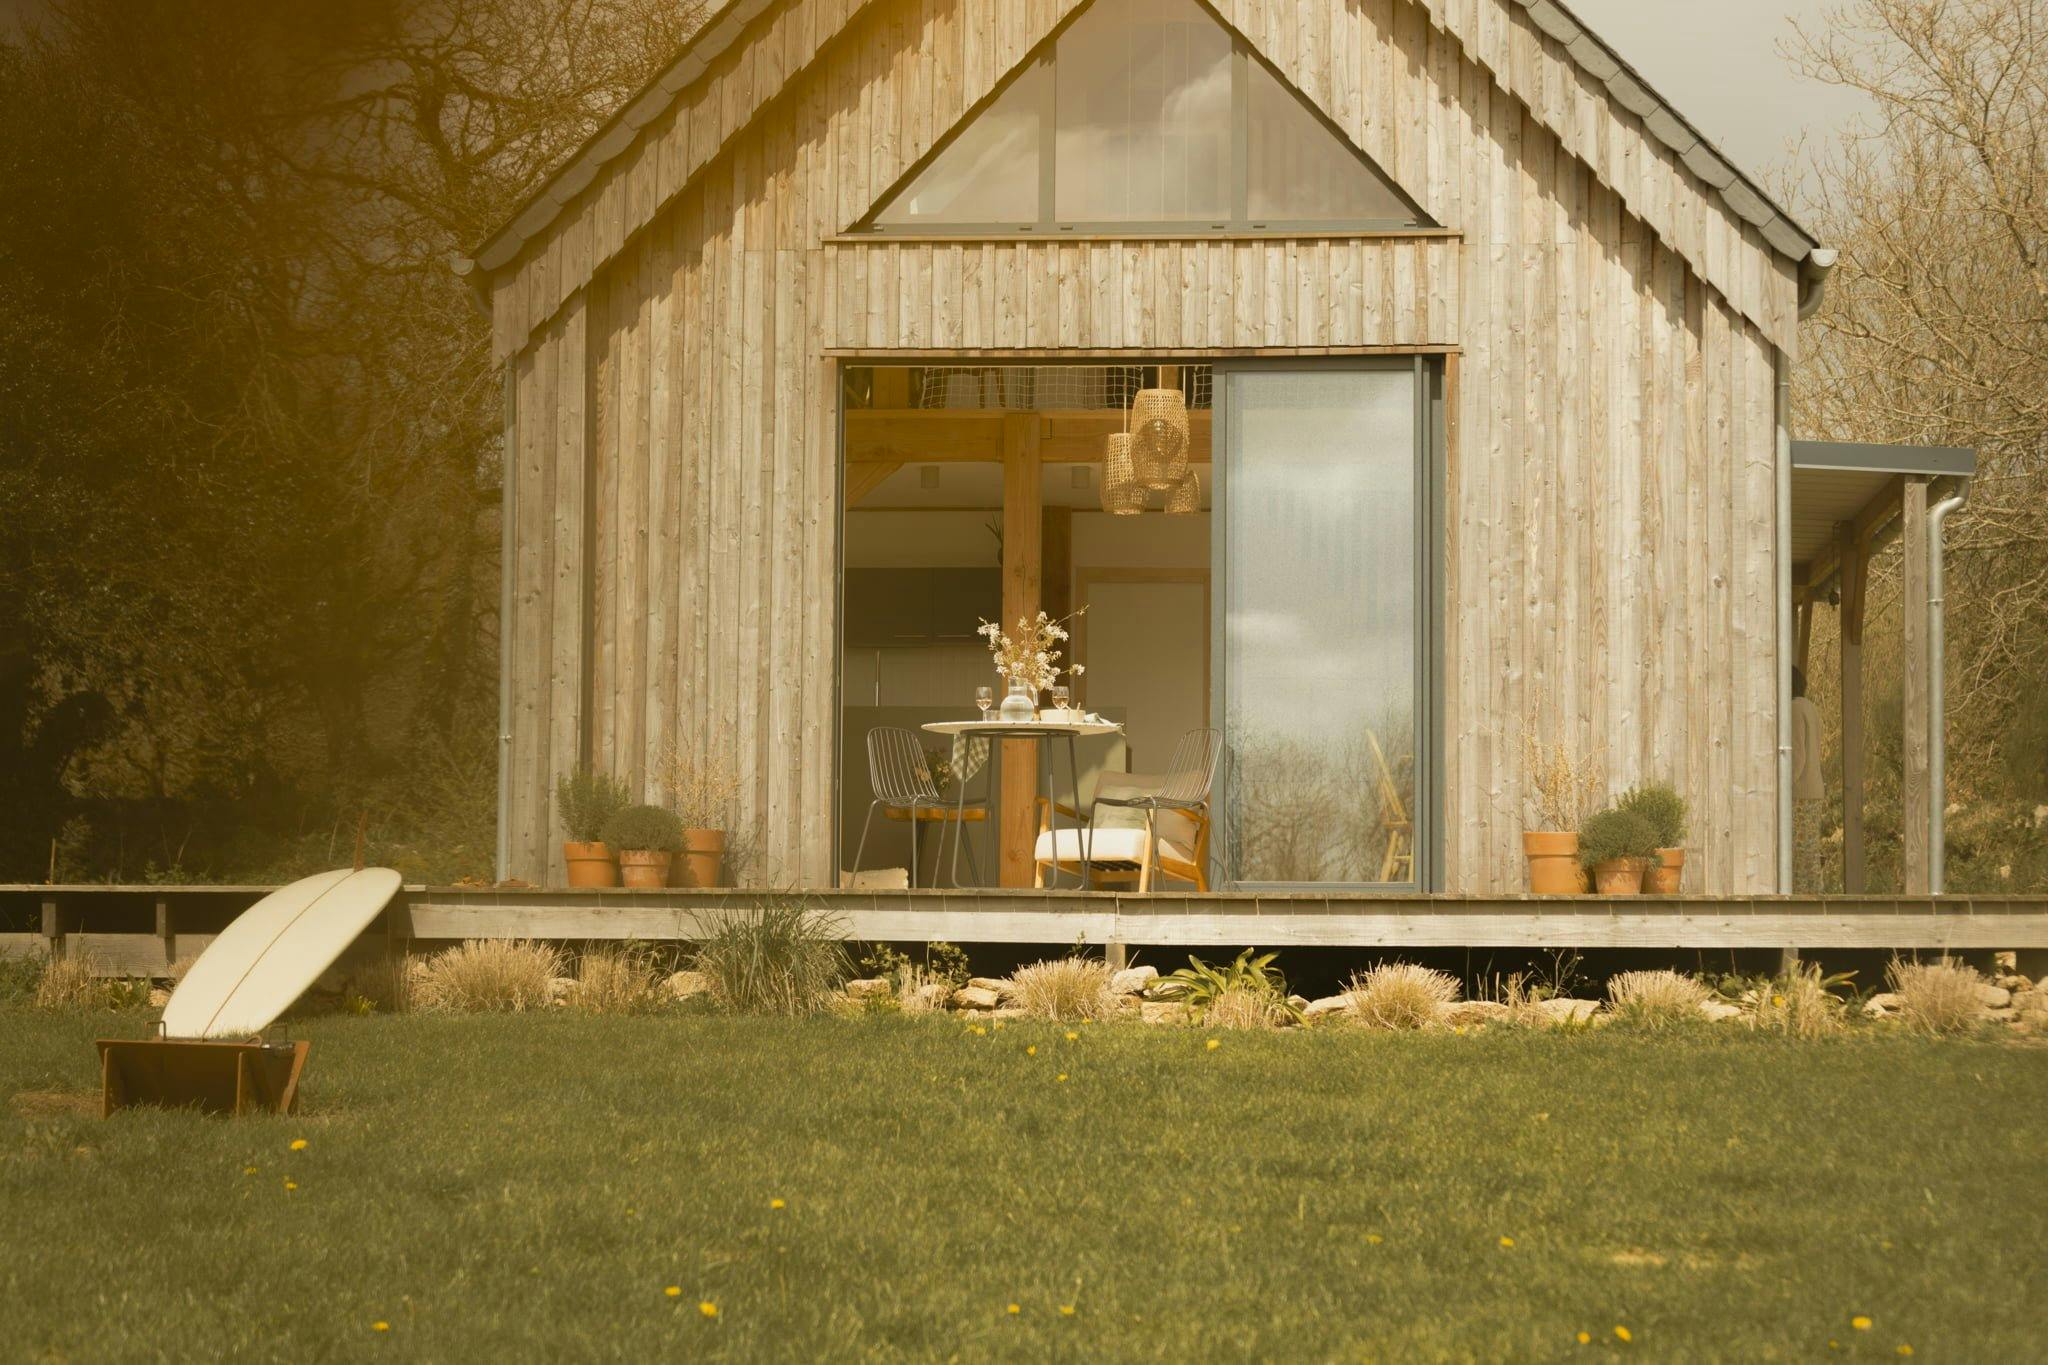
(1320, 624)
(989, 174)
(1298, 171)
(1143, 115)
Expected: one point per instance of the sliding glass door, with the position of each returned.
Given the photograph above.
(1325, 621)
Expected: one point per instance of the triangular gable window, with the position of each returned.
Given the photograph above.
(1145, 113)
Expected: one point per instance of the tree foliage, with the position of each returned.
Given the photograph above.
(249, 426)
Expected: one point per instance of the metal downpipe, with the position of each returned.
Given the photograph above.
(1785, 632)
(508, 504)
(1937, 669)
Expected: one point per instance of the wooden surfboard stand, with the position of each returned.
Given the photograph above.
(214, 1077)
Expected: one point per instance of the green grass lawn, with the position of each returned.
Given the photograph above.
(517, 1188)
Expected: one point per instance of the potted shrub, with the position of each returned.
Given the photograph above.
(1664, 808)
(647, 838)
(585, 801)
(703, 792)
(1616, 846)
(1561, 785)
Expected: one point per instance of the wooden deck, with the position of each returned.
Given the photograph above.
(141, 929)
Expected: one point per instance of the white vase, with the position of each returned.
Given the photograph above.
(1020, 702)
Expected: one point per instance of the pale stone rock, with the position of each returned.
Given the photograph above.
(1328, 1005)
(1132, 980)
(1562, 1010)
(1166, 1012)
(561, 988)
(2005, 1014)
(867, 988)
(1467, 1013)
(989, 983)
(158, 997)
(1298, 1002)
(1719, 1010)
(2018, 985)
(1006, 1012)
(683, 985)
(932, 995)
(1994, 997)
(1881, 1005)
(975, 998)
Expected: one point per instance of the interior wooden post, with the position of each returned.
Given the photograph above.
(1855, 575)
(1023, 551)
(1056, 575)
(1917, 792)
(1803, 634)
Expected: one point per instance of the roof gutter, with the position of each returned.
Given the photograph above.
(1813, 279)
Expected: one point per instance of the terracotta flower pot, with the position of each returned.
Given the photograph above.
(1619, 877)
(590, 864)
(1554, 863)
(644, 869)
(1664, 875)
(704, 857)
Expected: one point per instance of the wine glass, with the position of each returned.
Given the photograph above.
(984, 697)
(1059, 696)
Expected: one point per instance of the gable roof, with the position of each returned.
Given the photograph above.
(729, 21)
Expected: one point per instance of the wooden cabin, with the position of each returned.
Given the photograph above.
(812, 355)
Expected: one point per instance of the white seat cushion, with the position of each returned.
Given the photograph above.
(1114, 845)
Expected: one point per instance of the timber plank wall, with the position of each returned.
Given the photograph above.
(1611, 329)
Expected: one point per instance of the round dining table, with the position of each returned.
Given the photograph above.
(1041, 732)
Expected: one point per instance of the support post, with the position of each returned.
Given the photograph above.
(1023, 548)
(53, 930)
(1917, 790)
(166, 932)
(1855, 577)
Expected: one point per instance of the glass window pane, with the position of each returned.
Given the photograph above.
(1320, 625)
(988, 174)
(1143, 115)
(1301, 172)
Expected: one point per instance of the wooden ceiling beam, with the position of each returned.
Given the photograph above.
(889, 436)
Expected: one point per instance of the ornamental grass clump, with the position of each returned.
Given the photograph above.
(1937, 997)
(1656, 1000)
(1063, 988)
(491, 975)
(777, 957)
(617, 980)
(1801, 1003)
(1401, 995)
(75, 982)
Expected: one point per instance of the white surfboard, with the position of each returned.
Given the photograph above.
(273, 951)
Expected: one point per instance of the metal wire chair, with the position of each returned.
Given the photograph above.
(1189, 778)
(901, 779)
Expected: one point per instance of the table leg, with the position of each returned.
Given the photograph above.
(1084, 828)
(1052, 810)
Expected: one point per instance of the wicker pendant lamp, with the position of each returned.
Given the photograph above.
(1159, 437)
(1121, 493)
(1185, 496)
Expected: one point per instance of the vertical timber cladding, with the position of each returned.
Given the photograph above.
(1611, 574)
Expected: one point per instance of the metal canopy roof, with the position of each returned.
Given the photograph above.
(1837, 482)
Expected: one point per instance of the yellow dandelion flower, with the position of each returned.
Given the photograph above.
(1904, 1349)
(291, 1184)
(1062, 1076)
(1507, 1241)
(1213, 1044)
(1066, 1310)
(1860, 1323)
(1623, 1334)
(1031, 1051)
(1834, 1345)
(1585, 1338)
(777, 1204)
(298, 1144)
(1087, 1020)
(380, 1327)
(1073, 1037)
(708, 1309)
(674, 1291)
(1012, 1309)
(248, 1170)
(1373, 1239)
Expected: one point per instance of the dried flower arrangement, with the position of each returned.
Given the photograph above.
(1032, 656)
